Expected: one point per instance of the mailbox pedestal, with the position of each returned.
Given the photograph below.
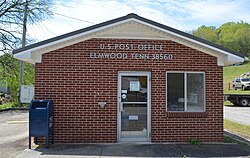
(41, 120)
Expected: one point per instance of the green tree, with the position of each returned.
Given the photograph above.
(9, 74)
(235, 36)
(207, 32)
(11, 24)
(242, 38)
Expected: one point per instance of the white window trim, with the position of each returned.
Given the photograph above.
(185, 89)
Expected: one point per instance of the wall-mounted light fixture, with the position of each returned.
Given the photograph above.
(102, 104)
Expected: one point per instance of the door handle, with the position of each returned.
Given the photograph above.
(121, 106)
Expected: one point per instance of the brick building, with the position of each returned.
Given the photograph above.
(131, 79)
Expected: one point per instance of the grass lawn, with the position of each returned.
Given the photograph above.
(237, 128)
(231, 72)
(8, 105)
(228, 103)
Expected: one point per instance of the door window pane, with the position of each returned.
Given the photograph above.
(134, 89)
(175, 92)
(195, 92)
(134, 120)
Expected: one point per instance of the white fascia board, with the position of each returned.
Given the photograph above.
(31, 61)
(37, 57)
(220, 61)
(190, 40)
(71, 37)
(26, 54)
(229, 60)
(233, 59)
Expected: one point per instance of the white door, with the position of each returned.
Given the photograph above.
(134, 106)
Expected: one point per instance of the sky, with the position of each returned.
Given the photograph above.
(184, 15)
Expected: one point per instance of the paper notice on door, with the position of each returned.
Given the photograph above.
(134, 85)
(124, 91)
(133, 117)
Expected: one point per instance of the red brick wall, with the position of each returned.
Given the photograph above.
(77, 83)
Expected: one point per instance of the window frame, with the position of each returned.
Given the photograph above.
(185, 89)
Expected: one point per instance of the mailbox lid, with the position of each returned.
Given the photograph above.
(41, 104)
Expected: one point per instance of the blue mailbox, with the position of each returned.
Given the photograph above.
(41, 120)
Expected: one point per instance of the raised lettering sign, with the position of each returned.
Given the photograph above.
(121, 55)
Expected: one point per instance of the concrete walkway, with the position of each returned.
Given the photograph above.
(137, 150)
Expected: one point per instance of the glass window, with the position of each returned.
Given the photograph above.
(195, 92)
(245, 79)
(185, 92)
(175, 95)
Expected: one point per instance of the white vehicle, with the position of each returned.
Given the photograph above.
(241, 83)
